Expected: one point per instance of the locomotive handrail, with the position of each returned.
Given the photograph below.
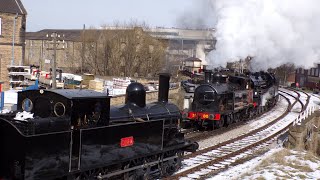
(13, 126)
(304, 115)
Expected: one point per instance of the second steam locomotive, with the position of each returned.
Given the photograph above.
(222, 99)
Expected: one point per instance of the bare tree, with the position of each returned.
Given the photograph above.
(127, 51)
(282, 72)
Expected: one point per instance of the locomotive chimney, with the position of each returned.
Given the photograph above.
(163, 92)
(204, 68)
(207, 76)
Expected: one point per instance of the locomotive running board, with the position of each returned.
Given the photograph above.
(134, 168)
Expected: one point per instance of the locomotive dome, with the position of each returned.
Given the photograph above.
(216, 77)
(136, 94)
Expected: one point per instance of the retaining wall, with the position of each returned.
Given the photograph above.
(305, 135)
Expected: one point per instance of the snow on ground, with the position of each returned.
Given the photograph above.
(278, 163)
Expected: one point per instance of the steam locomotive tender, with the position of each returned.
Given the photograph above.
(74, 134)
(223, 99)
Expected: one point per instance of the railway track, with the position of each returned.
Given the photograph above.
(211, 160)
(297, 99)
(308, 97)
(202, 135)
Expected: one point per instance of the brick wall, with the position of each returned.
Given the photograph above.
(6, 44)
(5, 61)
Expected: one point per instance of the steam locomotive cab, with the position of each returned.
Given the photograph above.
(42, 139)
(57, 110)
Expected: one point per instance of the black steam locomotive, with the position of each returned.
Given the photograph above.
(224, 99)
(74, 134)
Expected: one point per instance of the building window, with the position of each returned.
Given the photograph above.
(0, 26)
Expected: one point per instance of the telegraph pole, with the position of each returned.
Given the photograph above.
(55, 43)
(53, 63)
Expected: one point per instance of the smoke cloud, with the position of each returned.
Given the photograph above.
(272, 31)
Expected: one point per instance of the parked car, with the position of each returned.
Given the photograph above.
(188, 86)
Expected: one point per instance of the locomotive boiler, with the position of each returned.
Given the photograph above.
(75, 134)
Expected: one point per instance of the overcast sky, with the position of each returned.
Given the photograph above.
(70, 14)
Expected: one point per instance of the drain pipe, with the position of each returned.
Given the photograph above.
(13, 37)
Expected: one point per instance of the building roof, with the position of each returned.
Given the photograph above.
(74, 35)
(69, 35)
(12, 6)
(192, 59)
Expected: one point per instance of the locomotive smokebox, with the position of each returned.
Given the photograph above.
(164, 83)
(136, 94)
(207, 76)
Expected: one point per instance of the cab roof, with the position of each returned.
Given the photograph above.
(78, 93)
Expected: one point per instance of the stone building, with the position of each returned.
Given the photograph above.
(39, 49)
(241, 65)
(12, 33)
(192, 65)
(126, 52)
(309, 78)
(186, 43)
(182, 44)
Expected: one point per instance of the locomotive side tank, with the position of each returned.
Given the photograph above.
(75, 134)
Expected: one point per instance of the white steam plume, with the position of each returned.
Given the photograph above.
(273, 31)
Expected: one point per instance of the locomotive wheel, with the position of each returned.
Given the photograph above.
(139, 174)
(236, 118)
(198, 126)
(258, 110)
(169, 167)
(87, 175)
(251, 113)
(219, 124)
(227, 121)
(185, 125)
(131, 175)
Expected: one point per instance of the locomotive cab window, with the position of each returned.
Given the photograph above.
(27, 105)
(59, 109)
(87, 112)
